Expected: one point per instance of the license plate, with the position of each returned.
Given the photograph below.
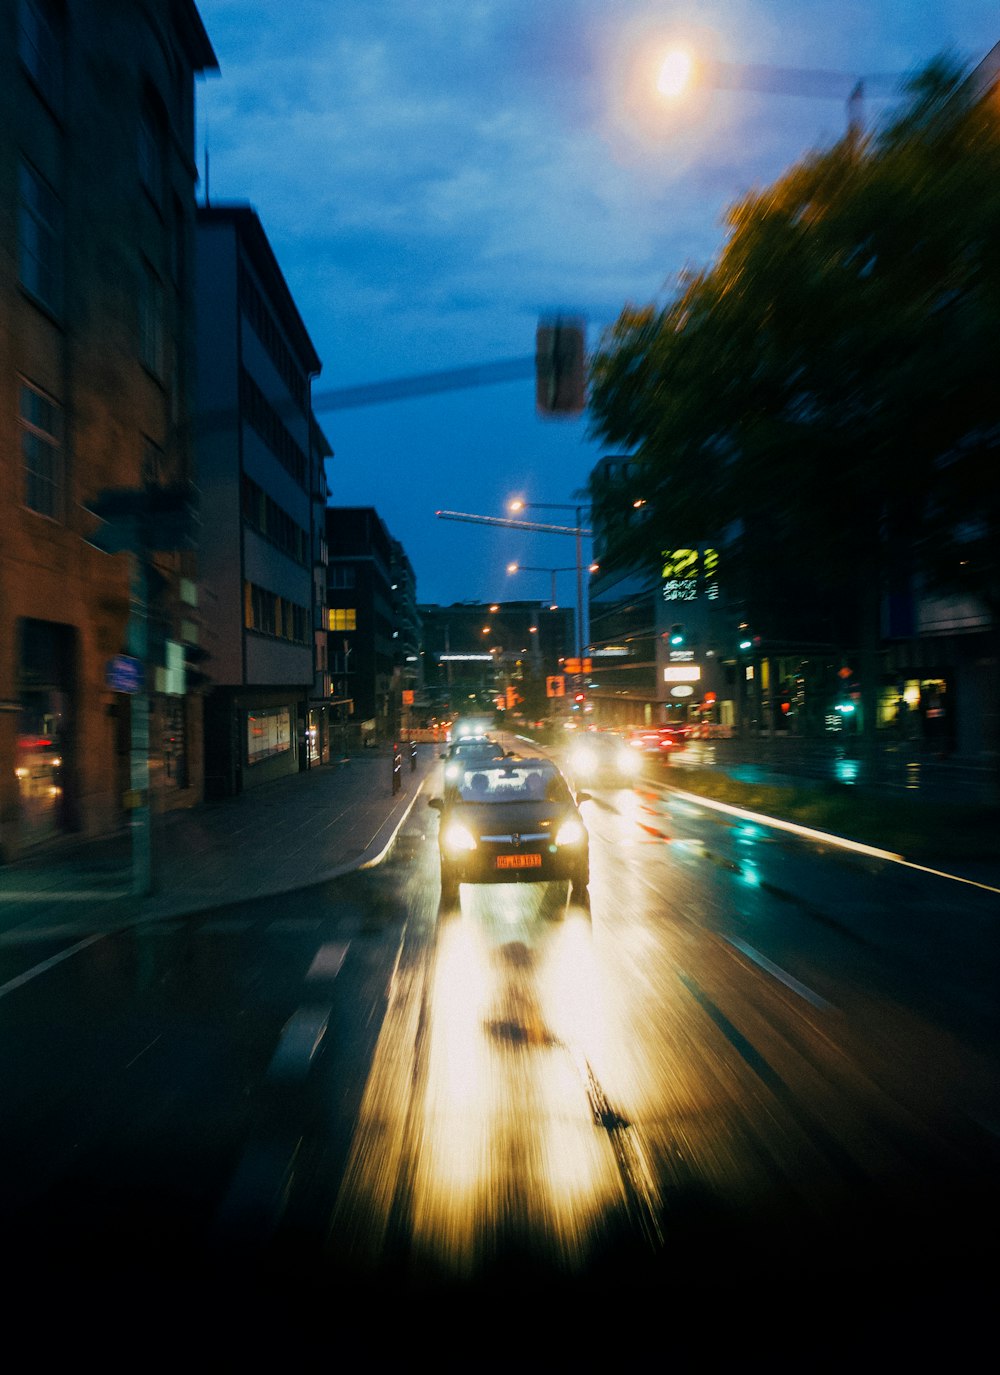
(519, 861)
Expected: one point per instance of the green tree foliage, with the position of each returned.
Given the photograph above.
(827, 391)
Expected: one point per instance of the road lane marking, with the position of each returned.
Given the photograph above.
(328, 960)
(45, 965)
(780, 974)
(299, 1043)
(826, 837)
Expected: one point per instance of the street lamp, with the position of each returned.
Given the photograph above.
(681, 71)
(531, 568)
(582, 627)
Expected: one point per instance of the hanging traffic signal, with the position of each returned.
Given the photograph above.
(677, 635)
(560, 366)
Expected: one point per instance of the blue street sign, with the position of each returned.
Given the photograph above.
(124, 674)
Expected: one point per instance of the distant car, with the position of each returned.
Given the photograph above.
(602, 758)
(512, 820)
(658, 742)
(467, 750)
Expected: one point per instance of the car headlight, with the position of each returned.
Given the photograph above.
(571, 832)
(457, 839)
(629, 762)
(452, 770)
(583, 759)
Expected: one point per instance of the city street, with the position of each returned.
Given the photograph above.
(756, 1059)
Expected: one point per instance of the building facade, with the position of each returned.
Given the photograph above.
(262, 481)
(360, 619)
(97, 172)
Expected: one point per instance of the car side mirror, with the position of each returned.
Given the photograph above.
(583, 797)
(436, 802)
(444, 755)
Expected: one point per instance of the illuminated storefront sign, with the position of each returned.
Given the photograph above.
(689, 573)
(682, 673)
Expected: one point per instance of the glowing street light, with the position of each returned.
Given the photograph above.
(675, 73)
(582, 627)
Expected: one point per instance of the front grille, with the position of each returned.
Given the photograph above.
(525, 837)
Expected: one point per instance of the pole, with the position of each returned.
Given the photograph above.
(141, 818)
(579, 588)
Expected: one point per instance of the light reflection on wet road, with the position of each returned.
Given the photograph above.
(751, 1053)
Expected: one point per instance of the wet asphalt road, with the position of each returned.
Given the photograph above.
(758, 1068)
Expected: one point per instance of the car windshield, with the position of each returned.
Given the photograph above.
(514, 783)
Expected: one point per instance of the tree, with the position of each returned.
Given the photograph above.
(826, 392)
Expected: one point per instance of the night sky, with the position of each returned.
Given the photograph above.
(435, 175)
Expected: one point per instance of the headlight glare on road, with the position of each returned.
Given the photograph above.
(457, 839)
(571, 832)
(583, 759)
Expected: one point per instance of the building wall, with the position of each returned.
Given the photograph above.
(113, 240)
(259, 472)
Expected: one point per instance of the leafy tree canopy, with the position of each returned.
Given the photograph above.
(830, 383)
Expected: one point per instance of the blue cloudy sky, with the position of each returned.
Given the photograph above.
(434, 175)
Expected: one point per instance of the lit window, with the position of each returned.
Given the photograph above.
(342, 618)
(41, 451)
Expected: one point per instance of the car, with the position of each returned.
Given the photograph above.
(512, 820)
(470, 749)
(658, 743)
(602, 757)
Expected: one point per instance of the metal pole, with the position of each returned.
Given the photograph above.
(579, 588)
(141, 818)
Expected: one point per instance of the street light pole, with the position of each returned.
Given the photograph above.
(582, 630)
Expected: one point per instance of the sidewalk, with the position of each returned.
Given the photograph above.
(281, 836)
(896, 769)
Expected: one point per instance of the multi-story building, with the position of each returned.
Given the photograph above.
(97, 173)
(262, 480)
(361, 619)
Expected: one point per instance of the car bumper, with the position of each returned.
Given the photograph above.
(484, 868)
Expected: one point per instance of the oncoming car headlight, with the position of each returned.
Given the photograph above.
(452, 770)
(629, 761)
(571, 832)
(457, 839)
(583, 759)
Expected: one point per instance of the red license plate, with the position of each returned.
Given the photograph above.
(519, 861)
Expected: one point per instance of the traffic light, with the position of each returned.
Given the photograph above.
(560, 366)
(578, 700)
(677, 636)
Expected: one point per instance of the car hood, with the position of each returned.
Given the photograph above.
(505, 818)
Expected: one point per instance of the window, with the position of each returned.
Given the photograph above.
(340, 577)
(149, 153)
(269, 732)
(40, 238)
(41, 451)
(151, 350)
(339, 618)
(270, 614)
(39, 45)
